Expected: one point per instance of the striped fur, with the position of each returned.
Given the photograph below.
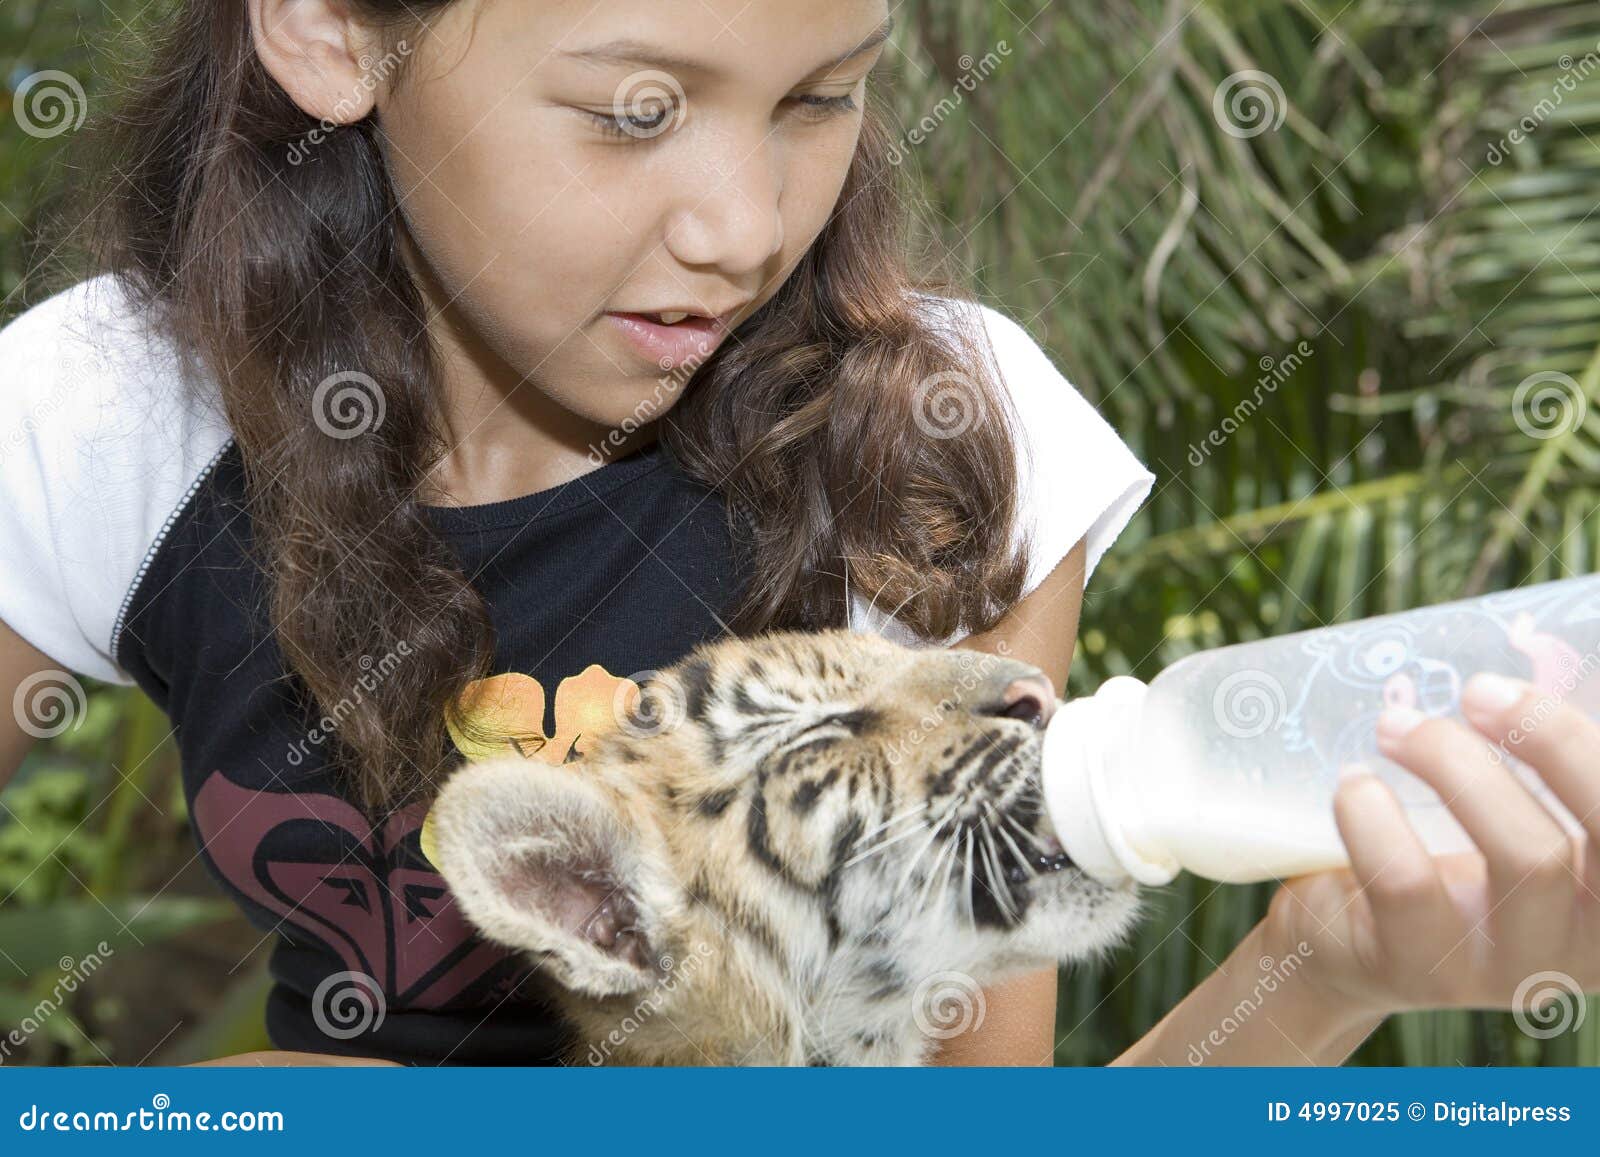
(800, 849)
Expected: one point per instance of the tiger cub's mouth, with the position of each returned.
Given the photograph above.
(1009, 851)
(1052, 859)
(1044, 855)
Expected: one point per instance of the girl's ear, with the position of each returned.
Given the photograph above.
(315, 50)
(538, 858)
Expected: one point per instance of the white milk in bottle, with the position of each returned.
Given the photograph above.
(1226, 763)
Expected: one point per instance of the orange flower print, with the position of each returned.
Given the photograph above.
(506, 713)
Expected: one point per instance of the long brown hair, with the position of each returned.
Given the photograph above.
(821, 420)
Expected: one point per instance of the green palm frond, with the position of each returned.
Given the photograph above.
(1438, 434)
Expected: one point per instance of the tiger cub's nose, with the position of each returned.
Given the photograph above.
(1031, 697)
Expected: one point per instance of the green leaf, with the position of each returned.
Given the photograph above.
(84, 934)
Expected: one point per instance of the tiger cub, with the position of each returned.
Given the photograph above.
(797, 848)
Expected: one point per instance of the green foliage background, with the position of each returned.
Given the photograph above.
(1075, 158)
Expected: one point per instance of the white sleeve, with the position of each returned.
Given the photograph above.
(100, 438)
(1076, 479)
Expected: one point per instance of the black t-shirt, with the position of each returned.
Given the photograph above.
(123, 543)
(614, 574)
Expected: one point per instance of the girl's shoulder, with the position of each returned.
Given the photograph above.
(1076, 477)
(105, 430)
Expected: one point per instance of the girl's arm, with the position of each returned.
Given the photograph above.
(1019, 1016)
(18, 661)
(1257, 1008)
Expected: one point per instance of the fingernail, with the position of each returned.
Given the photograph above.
(1395, 723)
(1369, 786)
(1489, 694)
(1355, 777)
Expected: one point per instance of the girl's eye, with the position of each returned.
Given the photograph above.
(819, 108)
(658, 120)
(654, 122)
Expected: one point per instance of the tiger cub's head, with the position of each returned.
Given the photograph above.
(795, 848)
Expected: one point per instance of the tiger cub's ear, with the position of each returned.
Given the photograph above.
(539, 859)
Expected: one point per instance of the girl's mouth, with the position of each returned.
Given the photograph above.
(669, 346)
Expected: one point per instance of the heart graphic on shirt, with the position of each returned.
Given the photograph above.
(383, 914)
(371, 905)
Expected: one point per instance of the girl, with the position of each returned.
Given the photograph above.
(379, 423)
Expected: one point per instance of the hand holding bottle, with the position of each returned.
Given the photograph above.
(1515, 923)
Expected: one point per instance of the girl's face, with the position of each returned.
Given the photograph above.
(561, 160)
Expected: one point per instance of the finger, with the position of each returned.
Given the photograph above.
(1556, 739)
(1400, 879)
(1522, 842)
(1531, 860)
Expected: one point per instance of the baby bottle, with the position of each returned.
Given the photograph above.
(1226, 763)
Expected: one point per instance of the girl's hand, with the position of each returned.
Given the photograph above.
(1507, 928)
(291, 1059)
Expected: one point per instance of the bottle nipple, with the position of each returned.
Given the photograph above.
(1086, 802)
